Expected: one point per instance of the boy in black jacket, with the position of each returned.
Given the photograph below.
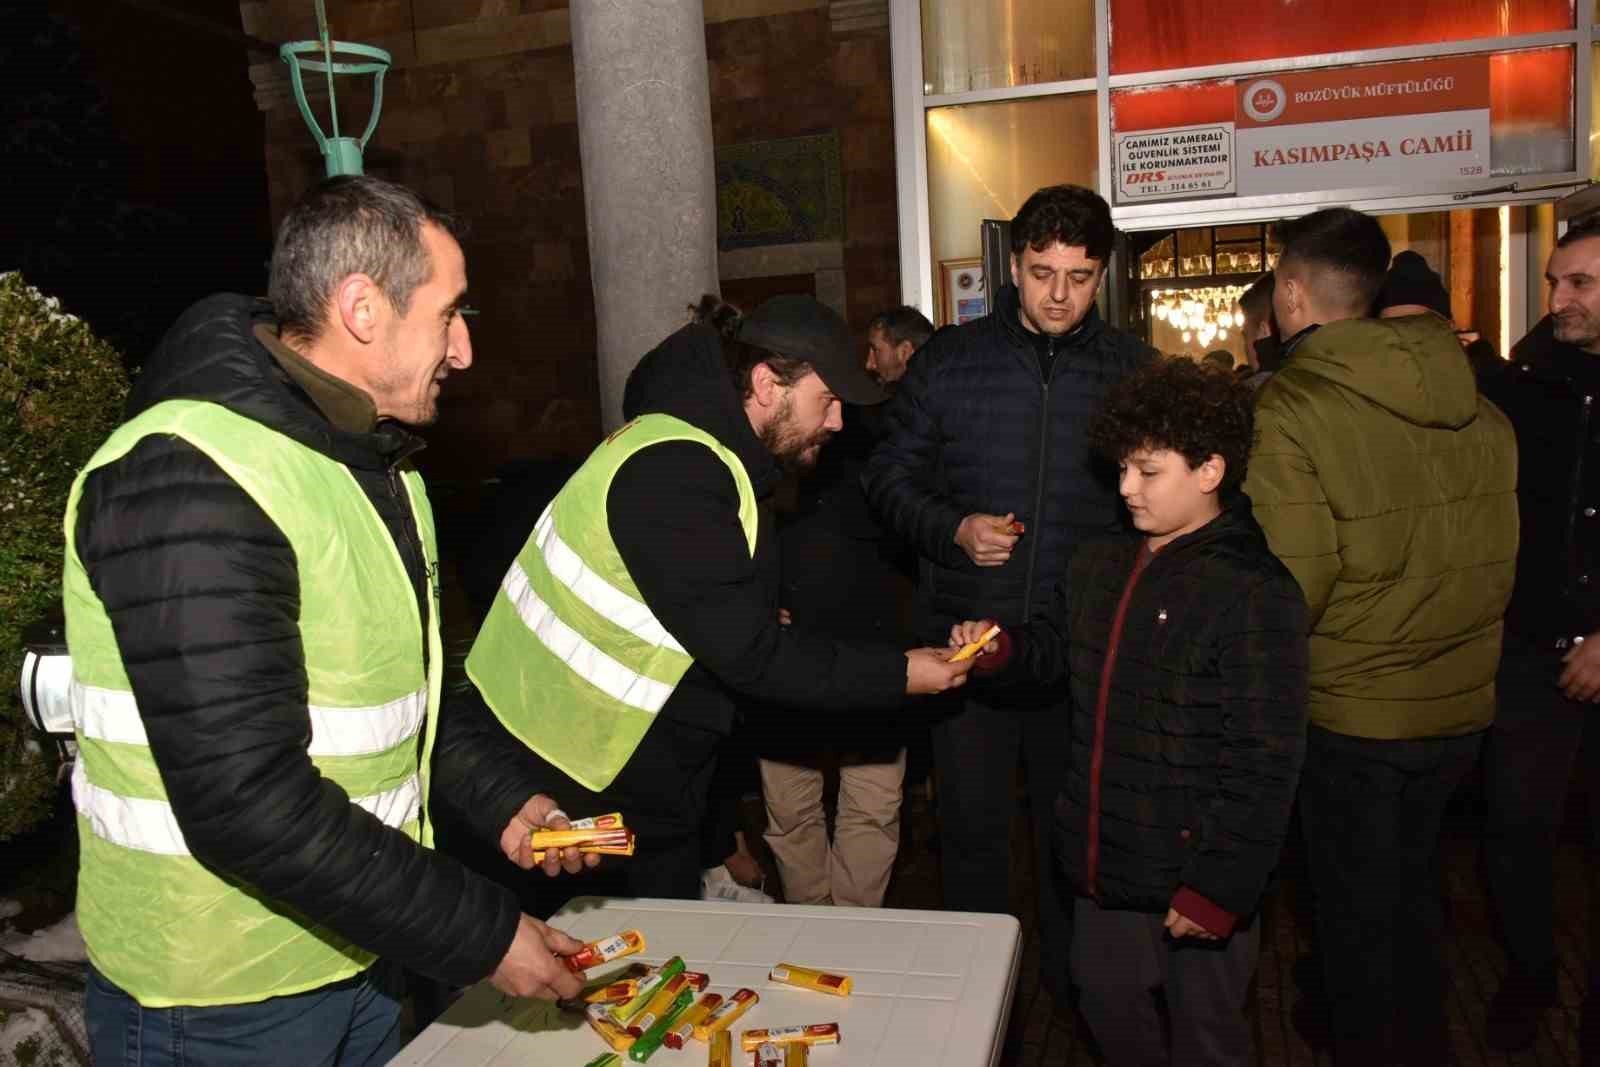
(1185, 646)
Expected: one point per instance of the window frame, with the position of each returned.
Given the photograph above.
(912, 102)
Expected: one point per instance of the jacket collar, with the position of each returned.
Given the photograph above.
(1008, 307)
(213, 353)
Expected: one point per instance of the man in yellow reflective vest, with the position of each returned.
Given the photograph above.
(645, 603)
(252, 617)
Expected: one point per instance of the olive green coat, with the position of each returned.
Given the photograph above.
(1387, 485)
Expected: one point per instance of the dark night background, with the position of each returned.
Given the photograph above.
(132, 159)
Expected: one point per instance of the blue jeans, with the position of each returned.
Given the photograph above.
(353, 1023)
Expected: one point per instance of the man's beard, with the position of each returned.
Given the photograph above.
(1576, 330)
(787, 444)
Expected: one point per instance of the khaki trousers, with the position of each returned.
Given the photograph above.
(854, 871)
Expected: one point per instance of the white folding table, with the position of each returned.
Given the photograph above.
(930, 987)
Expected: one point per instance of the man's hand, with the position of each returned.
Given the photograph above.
(1178, 927)
(987, 539)
(929, 670)
(1580, 680)
(540, 812)
(963, 634)
(532, 965)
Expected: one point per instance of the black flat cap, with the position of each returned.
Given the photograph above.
(802, 327)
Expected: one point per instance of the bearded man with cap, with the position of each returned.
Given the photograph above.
(645, 603)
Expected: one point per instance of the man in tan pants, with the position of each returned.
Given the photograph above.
(849, 578)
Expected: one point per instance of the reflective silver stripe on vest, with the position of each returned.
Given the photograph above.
(612, 603)
(150, 826)
(132, 822)
(113, 715)
(579, 654)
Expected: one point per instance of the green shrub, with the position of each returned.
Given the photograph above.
(62, 391)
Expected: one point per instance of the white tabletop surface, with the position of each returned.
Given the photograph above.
(930, 987)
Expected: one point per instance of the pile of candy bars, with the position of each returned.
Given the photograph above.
(640, 1010)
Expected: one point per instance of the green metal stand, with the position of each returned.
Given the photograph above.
(340, 155)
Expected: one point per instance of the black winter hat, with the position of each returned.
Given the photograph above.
(802, 327)
(1411, 281)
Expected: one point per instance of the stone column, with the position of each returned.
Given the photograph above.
(649, 187)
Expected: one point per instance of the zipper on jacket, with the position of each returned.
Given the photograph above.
(1575, 496)
(1102, 699)
(1037, 518)
(411, 549)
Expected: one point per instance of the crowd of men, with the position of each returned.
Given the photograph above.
(1219, 595)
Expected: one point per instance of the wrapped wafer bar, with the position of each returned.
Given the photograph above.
(608, 821)
(971, 648)
(615, 837)
(621, 1013)
(612, 1034)
(627, 943)
(658, 1004)
(683, 1029)
(796, 1054)
(698, 980)
(616, 842)
(725, 1013)
(837, 985)
(721, 1052)
(815, 1034)
(650, 1041)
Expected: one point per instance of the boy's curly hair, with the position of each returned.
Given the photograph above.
(1193, 409)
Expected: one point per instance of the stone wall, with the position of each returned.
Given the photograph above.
(479, 113)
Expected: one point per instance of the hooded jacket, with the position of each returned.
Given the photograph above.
(673, 513)
(203, 594)
(1387, 485)
(991, 418)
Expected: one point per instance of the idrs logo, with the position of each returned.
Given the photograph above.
(1265, 100)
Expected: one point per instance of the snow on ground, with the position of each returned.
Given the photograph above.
(59, 941)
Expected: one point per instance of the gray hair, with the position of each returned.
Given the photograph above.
(347, 225)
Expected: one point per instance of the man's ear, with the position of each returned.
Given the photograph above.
(1016, 271)
(1211, 472)
(765, 389)
(904, 351)
(358, 305)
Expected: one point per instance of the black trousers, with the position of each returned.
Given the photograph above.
(1121, 958)
(1370, 811)
(975, 752)
(1527, 769)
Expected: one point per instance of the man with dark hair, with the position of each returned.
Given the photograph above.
(252, 616)
(1387, 486)
(1260, 331)
(892, 337)
(1549, 677)
(847, 577)
(645, 602)
(986, 472)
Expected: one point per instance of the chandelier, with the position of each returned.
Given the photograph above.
(1204, 314)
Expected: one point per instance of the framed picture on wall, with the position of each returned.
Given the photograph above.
(962, 293)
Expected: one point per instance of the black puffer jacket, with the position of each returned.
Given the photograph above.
(978, 425)
(1186, 775)
(203, 594)
(1549, 391)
